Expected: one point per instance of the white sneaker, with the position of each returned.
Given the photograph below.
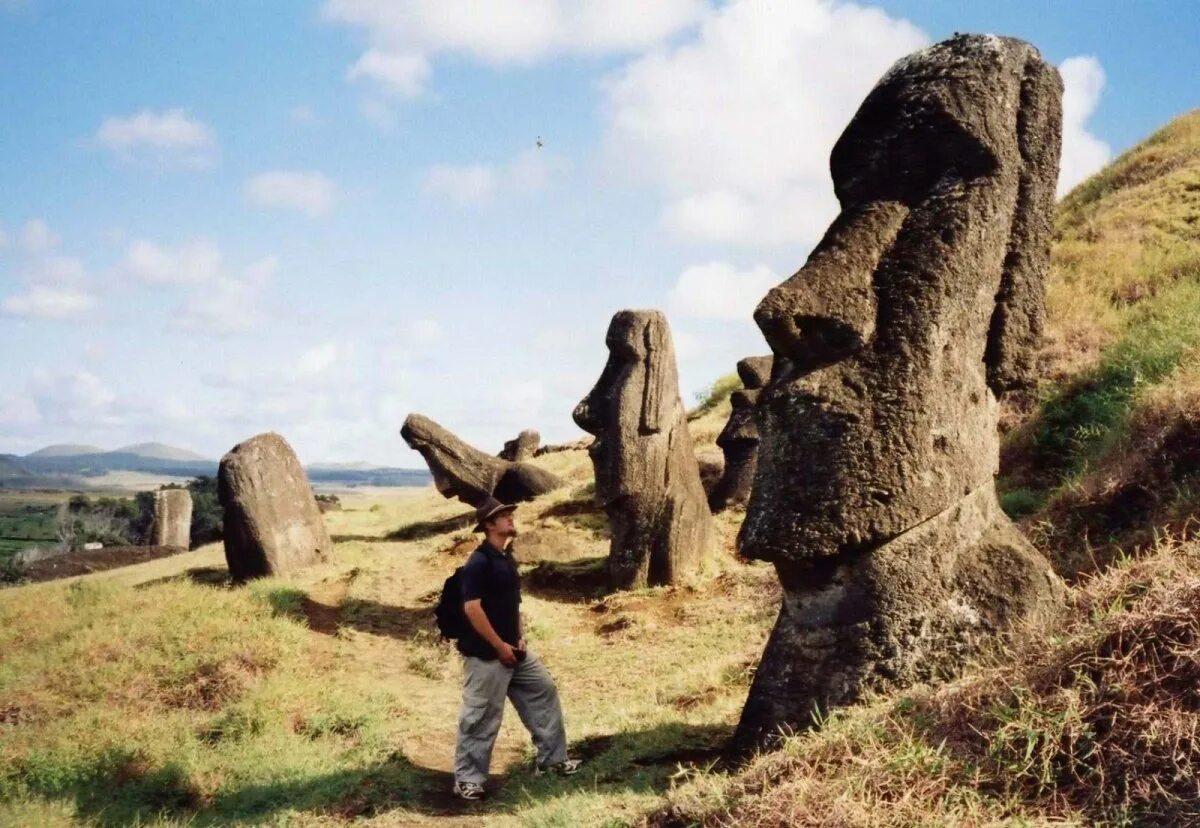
(468, 790)
(567, 767)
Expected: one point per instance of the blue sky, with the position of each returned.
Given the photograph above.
(222, 218)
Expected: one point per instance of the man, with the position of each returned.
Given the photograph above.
(496, 663)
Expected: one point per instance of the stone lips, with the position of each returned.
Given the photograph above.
(922, 304)
(647, 477)
(739, 439)
(463, 471)
(272, 524)
(172, 524)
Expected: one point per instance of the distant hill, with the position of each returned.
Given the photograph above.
(161, 451)
(10, 467)
(66, 450)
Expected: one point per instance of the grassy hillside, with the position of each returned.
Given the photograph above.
(1106, 453)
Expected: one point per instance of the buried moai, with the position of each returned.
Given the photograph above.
(647, 478)
(272, 525)
(739, 439)
(463, 471)
(523, 447)
(874, 494)
(172, 524)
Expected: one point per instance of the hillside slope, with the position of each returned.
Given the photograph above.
(1107, 451)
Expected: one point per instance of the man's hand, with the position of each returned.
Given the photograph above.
(507, 657)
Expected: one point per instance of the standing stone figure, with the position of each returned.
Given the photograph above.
(874, 494)
(172, 524)
(463, 471)
(739, 438)
(272, 523)
(523, 447)
(647, 478)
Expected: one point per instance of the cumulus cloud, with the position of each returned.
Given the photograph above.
(465, 184)
(718, 290)
(229, 304)
(56, 287)
(305, 191)
(404, 34)
(399, 73)
(1082, 152)
(736, 124)
(170, 137)
(316, 360)
(189, 263)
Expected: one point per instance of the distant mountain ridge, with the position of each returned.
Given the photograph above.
(56, 465)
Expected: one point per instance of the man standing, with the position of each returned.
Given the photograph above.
(497, 665)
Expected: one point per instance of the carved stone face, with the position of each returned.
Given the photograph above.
(632, 408)
(921, 304)
(458, 469)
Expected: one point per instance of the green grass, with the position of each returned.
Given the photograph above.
(25, 522)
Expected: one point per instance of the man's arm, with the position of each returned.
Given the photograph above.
(479, 620)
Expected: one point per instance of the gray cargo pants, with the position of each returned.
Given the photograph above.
(485, 685)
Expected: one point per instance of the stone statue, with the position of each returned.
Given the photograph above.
(523, 447)
(172, 524)
(739, 439)
(272, 523)
(471, 475)
(874, 494)
(647, 478)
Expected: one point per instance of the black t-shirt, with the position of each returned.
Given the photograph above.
(491, 576)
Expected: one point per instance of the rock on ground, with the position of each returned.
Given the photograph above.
(172, 524)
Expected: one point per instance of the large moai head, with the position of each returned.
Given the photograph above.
(921, 305)
(647, 478)
(874, 494)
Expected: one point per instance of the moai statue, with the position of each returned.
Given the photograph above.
(523, 447)
(874, 494)
(172, 524)
(647, 478)
(272, 524)
(739, 438)
(463, 471)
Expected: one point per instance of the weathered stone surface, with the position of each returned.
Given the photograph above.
(524, 447)
(172, 524)
(463, 471)
(647, 478)
(739, 439)
(272, 525)
(874, 493)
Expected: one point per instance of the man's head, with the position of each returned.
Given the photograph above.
(495, 520)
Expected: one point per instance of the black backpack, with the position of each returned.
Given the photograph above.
(451, 620)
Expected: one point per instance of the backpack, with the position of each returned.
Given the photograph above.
(451, 620)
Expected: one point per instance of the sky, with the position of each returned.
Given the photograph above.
(218, 219)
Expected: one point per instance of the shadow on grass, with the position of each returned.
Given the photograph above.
(581, 514)
(422, 529)
(122, 787)
(217, 576)
(402, 623)
(575, 581)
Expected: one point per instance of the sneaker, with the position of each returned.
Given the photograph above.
(567, 767)
(468, 790)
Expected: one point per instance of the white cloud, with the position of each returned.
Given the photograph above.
(170, 137)
(190, 263)
(38, 238)
(229, 304)
(718, 290)
(316, 360)
(404, 34)
(403, 74)
(73, 396)
(530, 171)
(308, 192)
(462, 184)
(736, 124)
(424, 331)
(18, 411)
(47, 302)
(1082, 152)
